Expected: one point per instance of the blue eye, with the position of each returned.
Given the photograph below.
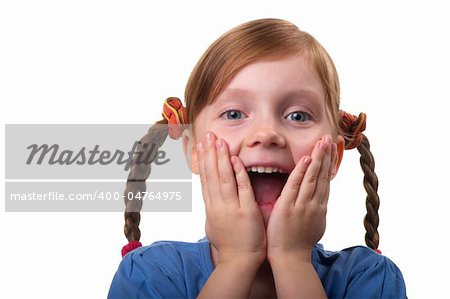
(299, 116)
(232, 114)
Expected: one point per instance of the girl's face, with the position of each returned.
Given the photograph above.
(271, 114)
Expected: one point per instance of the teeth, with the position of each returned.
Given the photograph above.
(262, 169)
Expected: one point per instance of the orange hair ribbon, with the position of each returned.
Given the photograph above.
(352, 126)
(175, 114)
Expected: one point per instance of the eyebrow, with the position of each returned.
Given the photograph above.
(308, 97)
(305, 94)
(233, 92)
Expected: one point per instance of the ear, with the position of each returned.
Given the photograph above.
(190, 151)
(340, 142)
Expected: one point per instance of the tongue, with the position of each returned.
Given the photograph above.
(267, 186)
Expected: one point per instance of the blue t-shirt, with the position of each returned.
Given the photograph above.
(179, 270)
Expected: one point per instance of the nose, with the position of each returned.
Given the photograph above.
(266, 135)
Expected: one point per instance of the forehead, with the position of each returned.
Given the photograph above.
(292, 76)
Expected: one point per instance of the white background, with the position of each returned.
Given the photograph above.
(116, 61)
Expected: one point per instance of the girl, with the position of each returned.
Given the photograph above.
(267, 137)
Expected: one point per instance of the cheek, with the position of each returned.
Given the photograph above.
(233, 138)
(303, 147)
(233, 144)
(301, 150)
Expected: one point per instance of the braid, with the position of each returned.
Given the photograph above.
(139, 172)
(352, 128)
(371, 220)
(173, 124)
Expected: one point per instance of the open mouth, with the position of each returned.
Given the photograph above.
(267, 184)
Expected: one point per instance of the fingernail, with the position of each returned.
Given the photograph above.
(199, 146)
(307, 160)
(219, 143)
(208, 136)
(234, 163)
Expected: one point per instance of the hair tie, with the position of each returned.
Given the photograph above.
(132, 245)
(352, 126)
(175, 114)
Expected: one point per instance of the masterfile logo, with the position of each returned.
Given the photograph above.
(55, 155)
(81, 167)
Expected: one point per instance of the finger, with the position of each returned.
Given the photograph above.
(201, 163)
(290, 191)
(334, 157)
(227, 181)
(311, 177)
(211, 172)
(244, 187)
(324, 178)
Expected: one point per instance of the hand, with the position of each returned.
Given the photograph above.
(298, 219)
(234, 224)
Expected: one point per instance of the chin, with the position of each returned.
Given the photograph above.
(266, 210)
